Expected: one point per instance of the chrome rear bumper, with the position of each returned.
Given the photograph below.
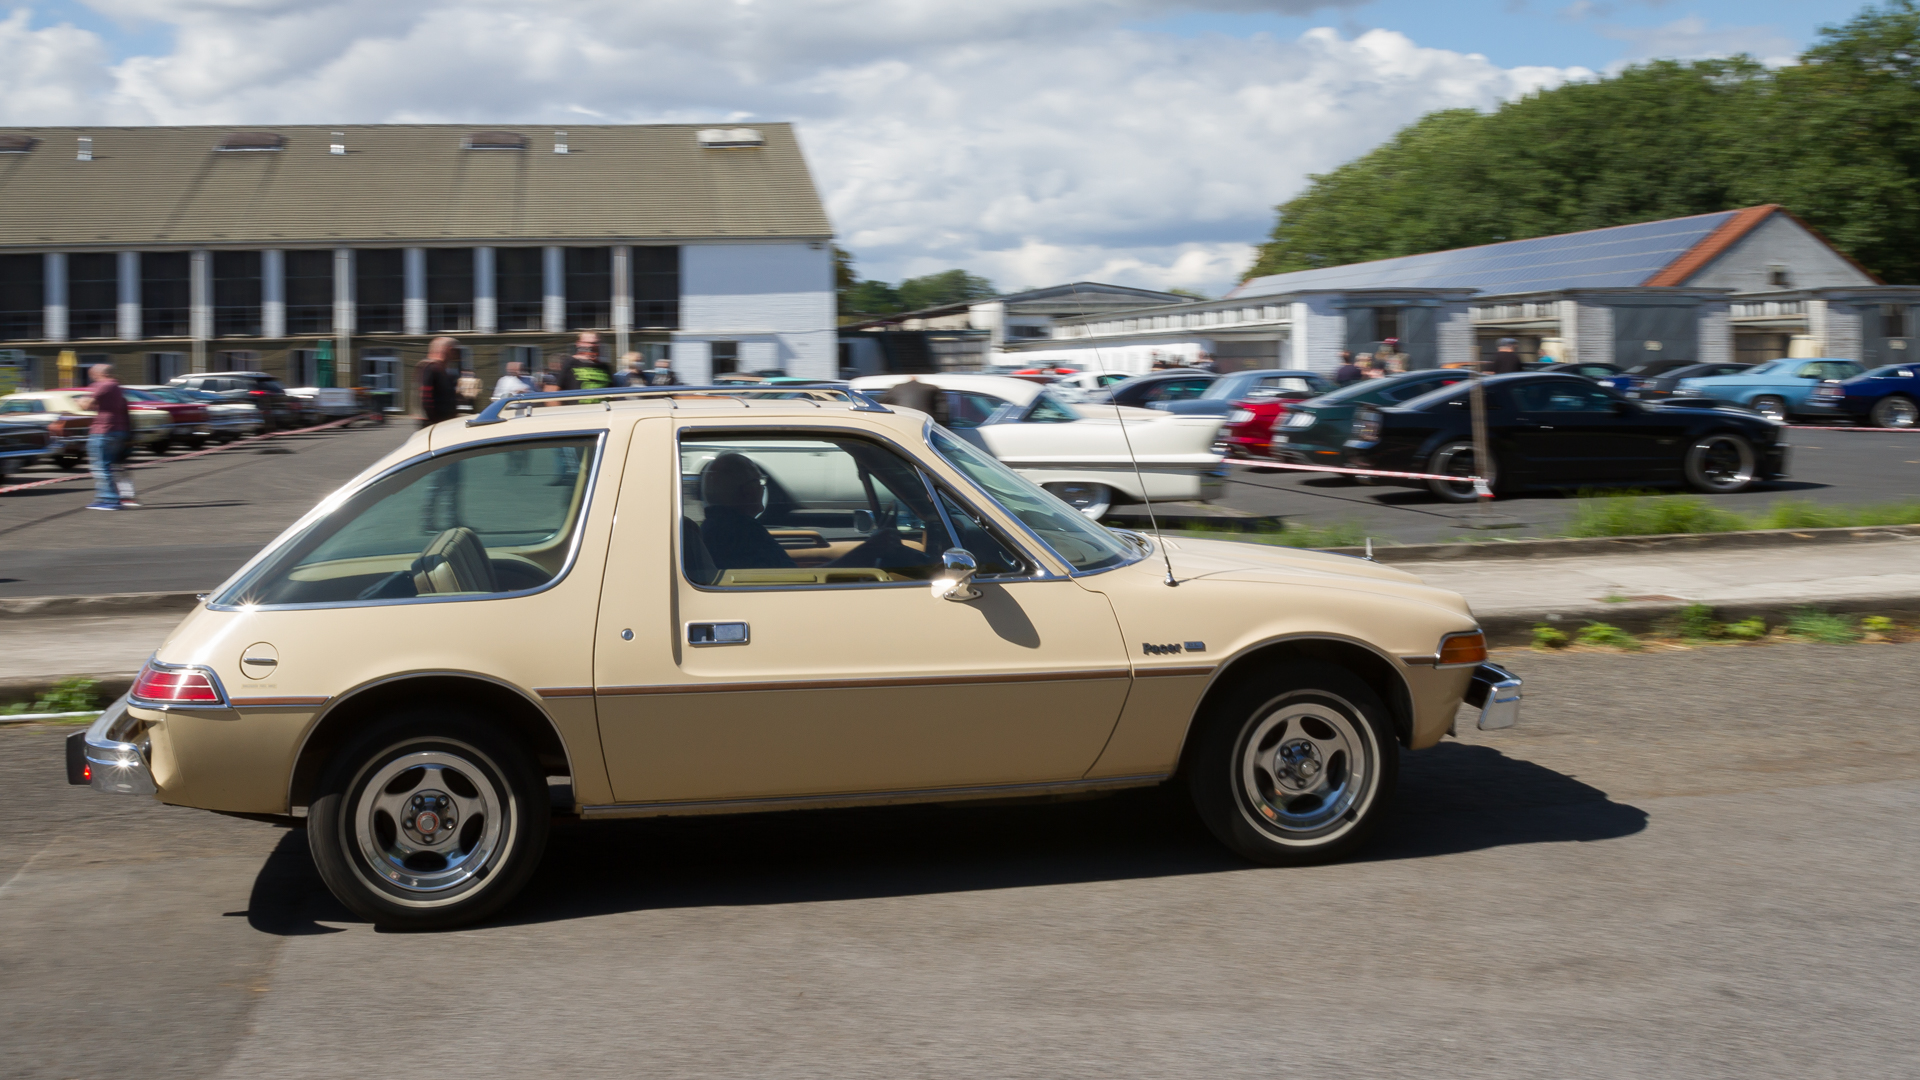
(1495, 691)
(102, 758)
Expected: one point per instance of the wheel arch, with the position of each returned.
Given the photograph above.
(1377, 669)
(353, 711)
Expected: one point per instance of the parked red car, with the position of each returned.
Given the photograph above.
(188, 419)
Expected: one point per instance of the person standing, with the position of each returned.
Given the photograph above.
(467, 389)
(1348, 371)
(511, 383)
(632, 372)
(1391, 358)
(107, 440)
(1505, 360)
(662, 374)
(439, 386)
(585, 370)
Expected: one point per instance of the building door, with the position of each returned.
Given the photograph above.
(1643, 332)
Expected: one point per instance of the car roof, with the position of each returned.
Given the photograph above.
(689, 404)
(1018, 391)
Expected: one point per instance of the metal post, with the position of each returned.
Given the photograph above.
(1482, 458)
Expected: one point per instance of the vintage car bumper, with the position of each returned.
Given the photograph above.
(103, 758)
(1495, 691)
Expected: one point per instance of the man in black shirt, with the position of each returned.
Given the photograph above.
(1505, 360)
(586, 371)
(439, 382)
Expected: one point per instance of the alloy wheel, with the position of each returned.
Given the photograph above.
(427, 824)
(1305, 768)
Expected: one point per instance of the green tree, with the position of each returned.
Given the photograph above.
(943, 288)
(1834, 138)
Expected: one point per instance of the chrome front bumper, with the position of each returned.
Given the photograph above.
(1495, 691)
(102, 758)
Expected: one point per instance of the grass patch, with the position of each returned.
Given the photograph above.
(1547, 637)
(1599, 633)
(1629, 513)
(67, 695)
(1812, 624)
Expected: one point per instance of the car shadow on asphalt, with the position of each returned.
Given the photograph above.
(1453, 798)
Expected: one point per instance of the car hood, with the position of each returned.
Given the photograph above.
(1231, 562)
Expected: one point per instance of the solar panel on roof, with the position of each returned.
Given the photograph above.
(1617, 257)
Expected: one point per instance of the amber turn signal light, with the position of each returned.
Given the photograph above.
(1469, 648)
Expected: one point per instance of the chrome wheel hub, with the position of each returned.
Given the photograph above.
(429, 822)
(1305, 768)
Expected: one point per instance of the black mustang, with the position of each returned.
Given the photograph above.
(1547, 430)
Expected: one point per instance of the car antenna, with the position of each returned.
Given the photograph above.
(1153, 521)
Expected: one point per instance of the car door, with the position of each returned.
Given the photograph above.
(1574, 430)
(778, 636)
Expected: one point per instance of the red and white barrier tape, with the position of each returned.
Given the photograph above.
(184, 457)
(1349, 472)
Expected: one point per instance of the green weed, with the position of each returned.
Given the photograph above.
(1812, 624)
(1697, 623)
(1599, 633)
(67, 695)
(1877, 624)
(1546, 637)
(1631, 513)
(1747, 629)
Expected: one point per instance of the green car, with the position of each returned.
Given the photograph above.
(1315, 431)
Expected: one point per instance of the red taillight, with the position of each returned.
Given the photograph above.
(86, 773)
(175, 687)
(256, 393)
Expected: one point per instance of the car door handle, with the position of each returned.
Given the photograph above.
(717, 633)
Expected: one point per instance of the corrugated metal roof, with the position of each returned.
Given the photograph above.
(402, 183)
(1617, 257)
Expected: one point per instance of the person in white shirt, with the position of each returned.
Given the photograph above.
(511, 383)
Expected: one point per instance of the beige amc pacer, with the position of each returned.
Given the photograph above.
(632, 603)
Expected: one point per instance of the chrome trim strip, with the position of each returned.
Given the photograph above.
(801, 802)
(118, 767)
(334, 501)
(1169, 672)
(864, 684)
(264, 702)
(563, 691)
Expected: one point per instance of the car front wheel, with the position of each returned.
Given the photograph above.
(1895, 411)
(1720, 464)
(1297, 767)
(1772, 408)
(429, 820)
(1093, 500)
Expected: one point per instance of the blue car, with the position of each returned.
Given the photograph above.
(1778, 389)
(1886, 397)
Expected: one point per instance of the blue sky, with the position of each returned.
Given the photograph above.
(1144, 142)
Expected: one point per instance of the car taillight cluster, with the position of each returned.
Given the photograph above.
(163, 685)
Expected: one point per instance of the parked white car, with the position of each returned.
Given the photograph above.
(1077, 386)
(1080, 453)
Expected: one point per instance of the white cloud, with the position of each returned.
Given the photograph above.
(1694, 38)
(1033, 141)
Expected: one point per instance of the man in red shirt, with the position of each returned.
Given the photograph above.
(107, 440)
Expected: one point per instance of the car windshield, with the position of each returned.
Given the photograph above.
(1083, 544)
(143, 395)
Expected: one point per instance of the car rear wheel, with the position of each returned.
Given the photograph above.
(1093, 500)
(159, 446)
(1721, 464)
(1772, 408)
(1896, 411)
(1296, 767)
(1456, 458)
(431, 819)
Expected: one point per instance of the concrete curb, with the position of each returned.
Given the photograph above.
(1632, 545)
(1516, 628)
(108, 604)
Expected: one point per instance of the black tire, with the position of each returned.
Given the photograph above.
(1773, 408)
(196, 442)
(159, 447)
(1288, 718)
(1721, 464)
(481, 769)
(1895, 411)
(69, 462)
(1455, 459)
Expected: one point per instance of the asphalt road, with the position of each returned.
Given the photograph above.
(203, 518)
(1654, 875)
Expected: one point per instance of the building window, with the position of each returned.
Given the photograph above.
(1386, 323)
(163, 367)
(164, 294)
(239, 360)
(656, 288)
(1777, 277)
(380, 374)
(449, 289)
(726, 357)
(520, 285)
(309, 292)
(589, 288)
(1893, 320)
(379, 290)
(93, 295)
(236, 294)
(23, 297)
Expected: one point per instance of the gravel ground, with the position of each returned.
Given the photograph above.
(1694, 863)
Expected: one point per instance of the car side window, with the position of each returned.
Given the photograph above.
(1046, 410)
(993, 556)
(791, 508)
(483, 522)
(1562, 397)
(966, 409)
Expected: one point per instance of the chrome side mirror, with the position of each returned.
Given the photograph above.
(960, 567)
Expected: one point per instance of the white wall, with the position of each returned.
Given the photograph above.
(776, 299)
(1781, 241)
(1319, 333)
